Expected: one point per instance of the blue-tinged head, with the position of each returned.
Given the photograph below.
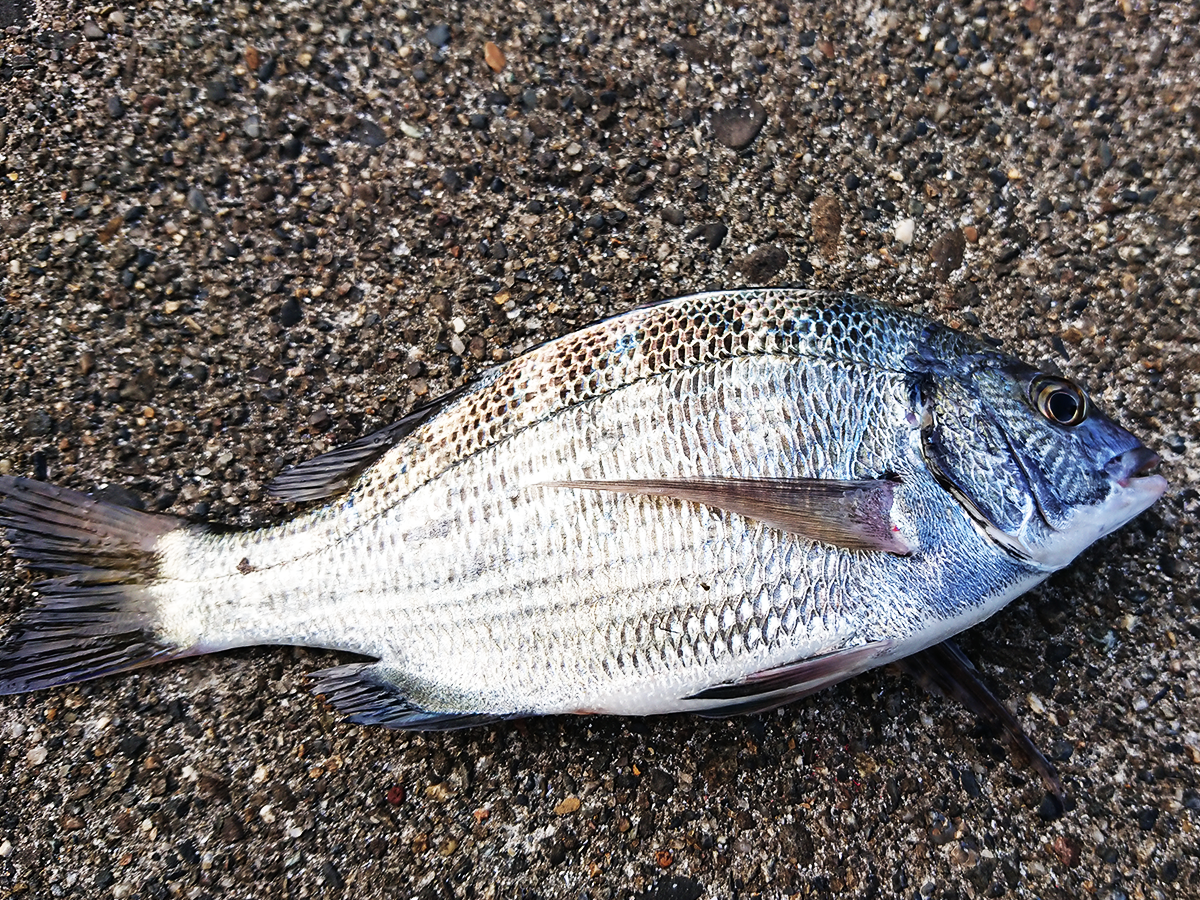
(1029, 457)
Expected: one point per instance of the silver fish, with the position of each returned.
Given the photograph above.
(716, 504)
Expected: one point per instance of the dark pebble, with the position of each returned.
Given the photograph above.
(673, 215)
(714, 233)
(290, 313)
(145, 258)
(479, 121)
(38, 423)
(452, 180)
(661, 783)
(738, 127)
(290, 149)
(320, 419)
(1051, 808)
(131, 745)
(438, 35)
(116, 109)
(216, 90)
(946, 254)
(266, 68)
(763, 264)
(1147, 817)
(369, 133)
(333, 878)
(678, 888)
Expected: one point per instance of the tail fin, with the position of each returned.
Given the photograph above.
(93, 615)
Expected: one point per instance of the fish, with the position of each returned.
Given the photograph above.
(716, 504)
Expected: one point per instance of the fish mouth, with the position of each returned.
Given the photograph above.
(1135, 464)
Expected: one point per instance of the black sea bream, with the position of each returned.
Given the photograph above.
(716, 504)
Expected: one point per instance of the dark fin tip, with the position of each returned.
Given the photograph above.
(944, 669)
(92, 617)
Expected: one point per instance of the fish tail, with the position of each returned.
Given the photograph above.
(94, 614)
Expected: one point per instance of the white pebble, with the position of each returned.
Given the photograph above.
(904, 231)
(6, 850)
(37, 755)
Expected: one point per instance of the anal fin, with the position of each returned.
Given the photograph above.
(362, 693)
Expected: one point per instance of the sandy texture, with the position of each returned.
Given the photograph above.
(237, 234)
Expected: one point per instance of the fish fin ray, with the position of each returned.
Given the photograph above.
(334, 472)
(364, 696)
(855, 515)
(780, 685)
(92, 616)
(944, 670)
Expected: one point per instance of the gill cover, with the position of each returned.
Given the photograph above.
(1029, 457)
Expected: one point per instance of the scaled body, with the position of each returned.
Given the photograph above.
(530, 548)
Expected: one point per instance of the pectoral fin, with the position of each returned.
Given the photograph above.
(851, 514)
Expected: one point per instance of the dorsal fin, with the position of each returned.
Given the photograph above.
(332, 473)
(851, 514)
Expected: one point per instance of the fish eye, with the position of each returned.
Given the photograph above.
(1058, 400)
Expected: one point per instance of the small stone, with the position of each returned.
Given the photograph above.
(216, 91)
(196, 202)
(946, 254)
(116, 109)
(568, 806)
(92, 31)
(763, 264)
(971, 233)
(37, 755)
(673, 215)
(253, 127)
(493, 56)
(714, 233)
(290, 313)
(438, 35)
(291, 148)
(904, 231)
(827, 224)
(737, 127)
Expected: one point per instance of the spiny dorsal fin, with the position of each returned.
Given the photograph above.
(855, 515)
(332, 473)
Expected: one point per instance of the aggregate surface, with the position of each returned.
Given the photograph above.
(233, 235)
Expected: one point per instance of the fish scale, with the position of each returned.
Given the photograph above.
(724, 501)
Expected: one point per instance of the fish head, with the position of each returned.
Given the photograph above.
(1030, 458)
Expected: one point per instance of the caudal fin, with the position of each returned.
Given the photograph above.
(93, 615)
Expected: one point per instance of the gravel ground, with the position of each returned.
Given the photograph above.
(237, 234)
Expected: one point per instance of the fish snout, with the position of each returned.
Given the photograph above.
(1136, 463)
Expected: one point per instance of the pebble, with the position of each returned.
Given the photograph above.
(904, 231)
(714, 233)
(438, 35)
(737, 127)
(494, 57)
(763, 264)
(92, 31)
(116, 109)
(827, 224)
(216, 90)
(946, 253)
(673, 215)
(196, 202)
(567, 806)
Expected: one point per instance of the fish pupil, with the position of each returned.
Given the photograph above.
(1063, 406)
